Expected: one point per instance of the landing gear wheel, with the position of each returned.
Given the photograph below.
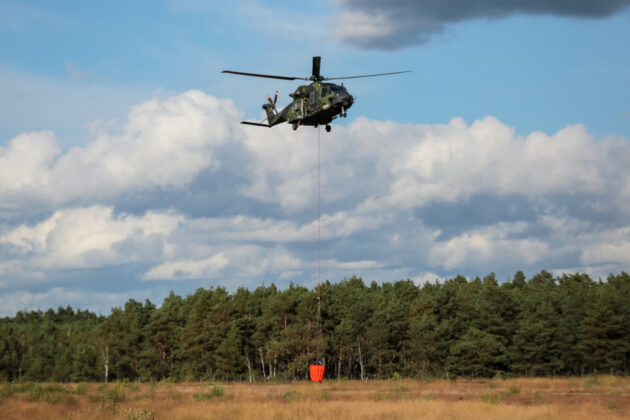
(328, 128)
(295, 126)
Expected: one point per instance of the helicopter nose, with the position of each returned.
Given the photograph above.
(345, 99)
(348, 100)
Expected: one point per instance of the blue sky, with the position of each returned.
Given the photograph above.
(124, 172)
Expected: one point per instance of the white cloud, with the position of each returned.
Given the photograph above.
(452, 163)
(376, 179)
(490, 246)
(87, 238)
(165, 144)
(352, 265)
(99, 302)
(190, 269)
(24, 162)
(606, 247)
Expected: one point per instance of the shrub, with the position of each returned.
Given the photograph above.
(591, 382)
(514, 390)
(291, 395)
(139, 414)
(81, 389)
(128, 385)
(150, 394)
(112, 394)
(53, 394)
(490, 398)
(379, 397)
(217, 391)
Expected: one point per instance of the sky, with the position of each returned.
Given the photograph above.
(125, 174)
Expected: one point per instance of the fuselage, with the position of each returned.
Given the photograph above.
(314, 104)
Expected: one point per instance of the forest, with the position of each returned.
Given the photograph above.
(548, 325)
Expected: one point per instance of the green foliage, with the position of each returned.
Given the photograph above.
(400, 388)
(142, 413)
(150, 394)
(490, 398)
(566, 325)
(7, 391)
(291, 395)
(52, 393)
(217, 391)
(379, 396)
(513, 390)
(111, 393)
(591, 382)
(81, 389)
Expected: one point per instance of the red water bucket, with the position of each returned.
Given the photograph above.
(317, 372)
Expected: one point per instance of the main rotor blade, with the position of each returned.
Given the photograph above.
(366, 75)
(268, 76)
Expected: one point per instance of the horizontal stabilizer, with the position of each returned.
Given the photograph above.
(257, 124)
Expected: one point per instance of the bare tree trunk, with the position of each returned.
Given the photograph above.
(249, 368)
(105, 353)
(361, 366)
(262, 359)
(340, 356)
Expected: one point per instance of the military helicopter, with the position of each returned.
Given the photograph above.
(316, 104)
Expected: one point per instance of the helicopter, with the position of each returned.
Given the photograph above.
(316, 104)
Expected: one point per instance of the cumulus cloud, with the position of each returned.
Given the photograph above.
(165, 144)
(453, 162)
(188, 269)
(494, 246)
(84, 238)
(177, 247)
(388, 25)
(398, 200)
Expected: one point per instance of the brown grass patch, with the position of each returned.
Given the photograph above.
(537, 398)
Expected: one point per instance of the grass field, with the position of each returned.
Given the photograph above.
(538, 398)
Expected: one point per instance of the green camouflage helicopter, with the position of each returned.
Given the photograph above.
(315, 104)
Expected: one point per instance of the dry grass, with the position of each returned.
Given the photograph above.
(538, 398)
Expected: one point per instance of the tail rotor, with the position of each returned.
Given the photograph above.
(273, 102)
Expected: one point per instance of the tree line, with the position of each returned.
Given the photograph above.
(563, 325)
